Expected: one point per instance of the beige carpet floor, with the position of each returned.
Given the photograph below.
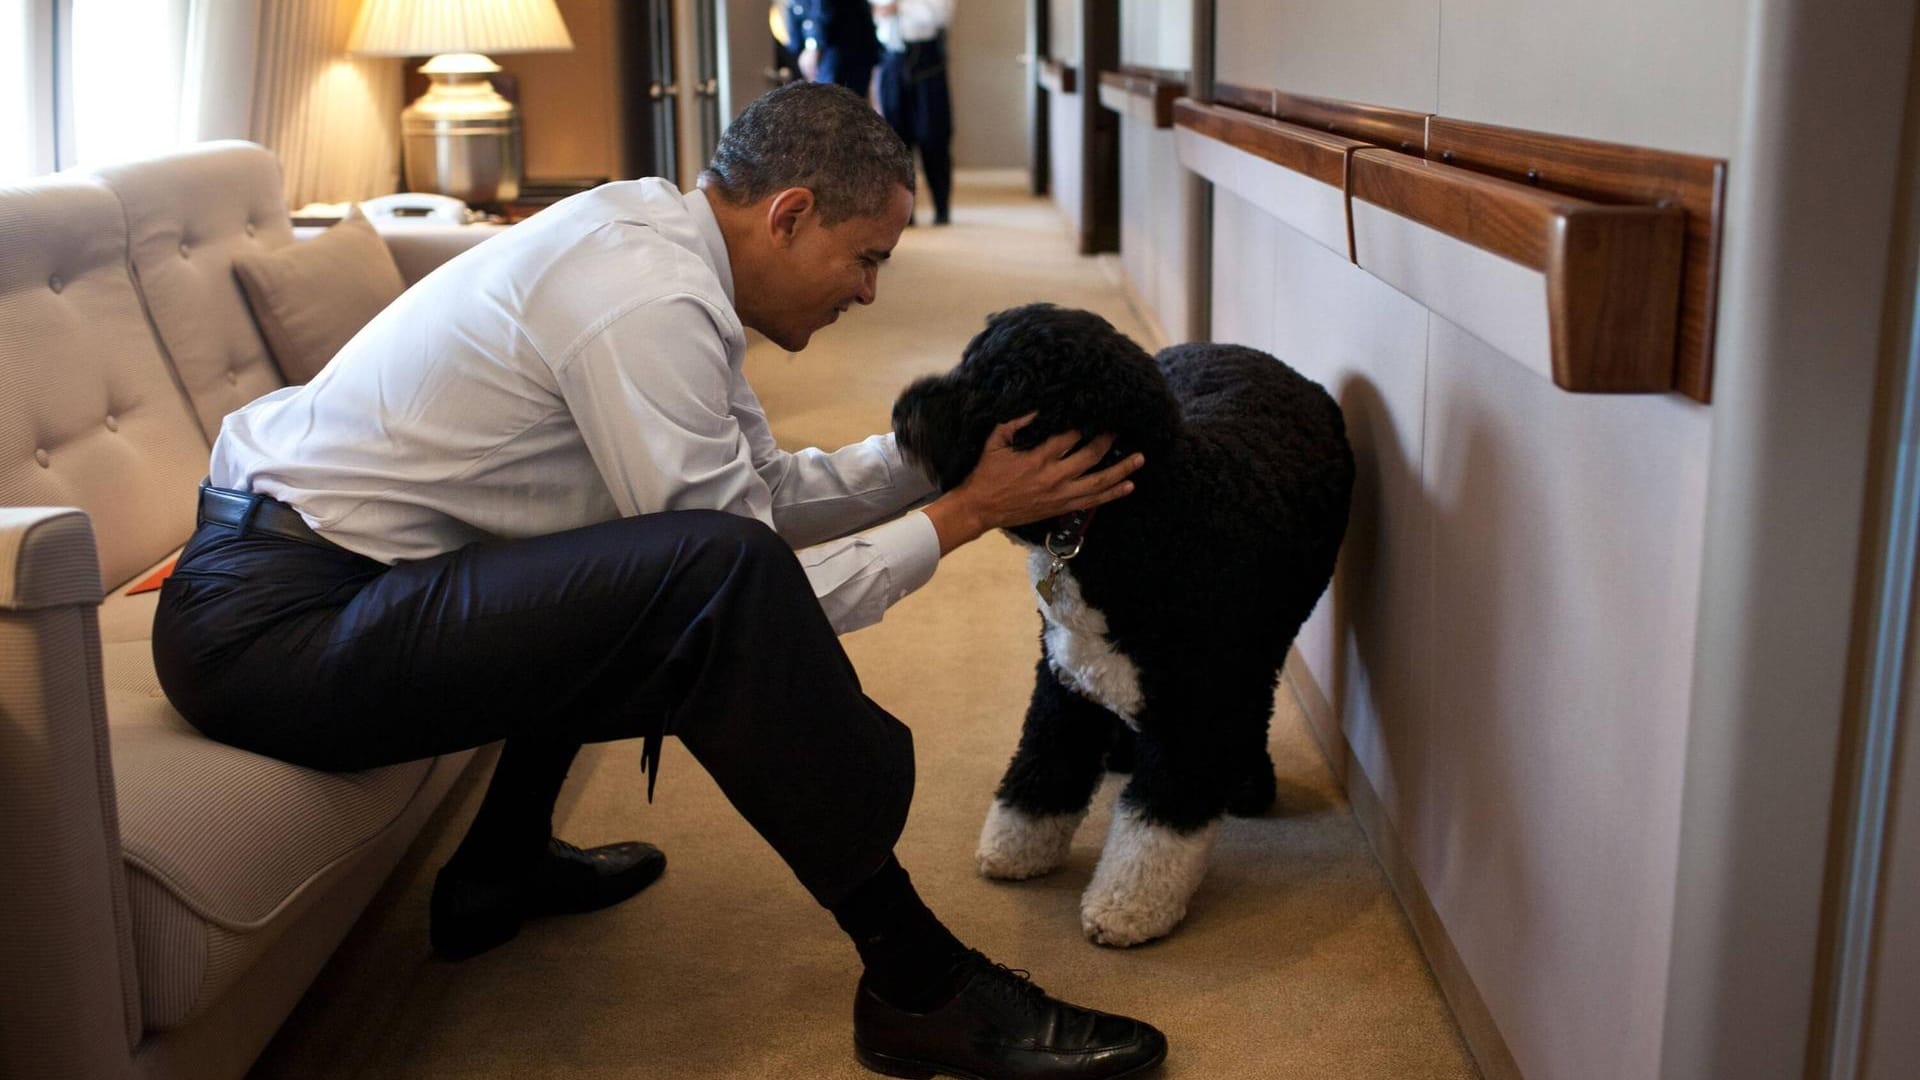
(1295, 961)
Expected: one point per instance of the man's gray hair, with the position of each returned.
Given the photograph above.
(818, 136)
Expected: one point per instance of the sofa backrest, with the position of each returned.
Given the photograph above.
(90, 415)
(187, 215)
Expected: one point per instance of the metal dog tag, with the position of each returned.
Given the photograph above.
(1046, 586)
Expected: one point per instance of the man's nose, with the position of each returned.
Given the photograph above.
(869, 287)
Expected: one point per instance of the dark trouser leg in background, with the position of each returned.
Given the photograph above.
(933, 127)
(914, 98)
(849, 69)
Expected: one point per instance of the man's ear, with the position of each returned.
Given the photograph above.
(787, 213)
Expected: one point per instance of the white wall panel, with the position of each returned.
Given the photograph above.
(1156, 33)
(1063, 152)
(1382, 52)
(1510, 638)
(1499, 300)
(1368, 642)
(1063, 30)
(1138, 250)
(1317, 210)
(1647, 72)
(1168, 198)
(1154, 250)
(1245, 255)
(1542, 808)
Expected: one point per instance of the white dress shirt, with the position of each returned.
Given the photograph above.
(582, 365)
(912, 20)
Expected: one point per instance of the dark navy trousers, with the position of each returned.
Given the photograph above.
(700, 625)
(915, 99)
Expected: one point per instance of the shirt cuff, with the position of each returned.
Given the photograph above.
(910, 549)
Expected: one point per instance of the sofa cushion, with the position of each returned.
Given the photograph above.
(310, 298)
(187, 215)
(89, 413)
(223, 847)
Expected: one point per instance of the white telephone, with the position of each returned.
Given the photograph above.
(419, 206)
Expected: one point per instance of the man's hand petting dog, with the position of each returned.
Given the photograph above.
(1011, 487)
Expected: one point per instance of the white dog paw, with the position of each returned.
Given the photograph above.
(1146, 875)
(1015, 845)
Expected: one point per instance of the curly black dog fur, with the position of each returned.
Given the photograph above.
(1174, 618)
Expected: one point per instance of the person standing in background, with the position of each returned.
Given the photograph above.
(913, 88)
(835, 40)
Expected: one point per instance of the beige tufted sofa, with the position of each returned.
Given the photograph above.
(164, 900)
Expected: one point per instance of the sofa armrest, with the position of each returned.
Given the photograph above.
(69, 1002)
(417, 248)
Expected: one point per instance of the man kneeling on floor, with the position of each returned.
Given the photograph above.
(535, 500)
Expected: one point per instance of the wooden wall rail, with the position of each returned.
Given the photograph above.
(1624, 240)
(1611, 173)
(1058, 77)
(1146, 94)
(1396, 129)
(1294, 173)
(1304, 150)
(1612, 273)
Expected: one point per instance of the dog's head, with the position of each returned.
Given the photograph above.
(1070, 368)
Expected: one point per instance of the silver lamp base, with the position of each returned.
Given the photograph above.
(461, 138)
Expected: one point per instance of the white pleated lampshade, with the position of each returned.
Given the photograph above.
(431, 27)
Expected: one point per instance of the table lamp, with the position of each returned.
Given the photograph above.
(461, 138)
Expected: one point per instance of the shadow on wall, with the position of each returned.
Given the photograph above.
(1380, 465)
(1465, 799)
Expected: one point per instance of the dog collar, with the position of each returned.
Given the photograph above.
(1069, 531)
(1063, 542)
(1069, 534)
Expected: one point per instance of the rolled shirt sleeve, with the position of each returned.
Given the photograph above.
(672, 425)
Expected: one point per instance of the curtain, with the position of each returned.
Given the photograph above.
(333, 119)
(216, 99)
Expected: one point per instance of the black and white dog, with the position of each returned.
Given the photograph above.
(1166, 615)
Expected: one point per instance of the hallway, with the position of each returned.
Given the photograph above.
(1295, 961)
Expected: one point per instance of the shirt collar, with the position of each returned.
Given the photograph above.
(708, 227)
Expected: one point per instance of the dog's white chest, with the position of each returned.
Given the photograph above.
(1078, 650)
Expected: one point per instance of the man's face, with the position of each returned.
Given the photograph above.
(827, 269)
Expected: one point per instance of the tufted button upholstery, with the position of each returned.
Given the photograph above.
(62, 358)
(113, 423)
(187, 216)
(251, 229)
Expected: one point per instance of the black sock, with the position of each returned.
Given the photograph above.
(515, 819)
(910, 956)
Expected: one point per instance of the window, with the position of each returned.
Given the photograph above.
(26, 89)
(127, 64)
(88, 82)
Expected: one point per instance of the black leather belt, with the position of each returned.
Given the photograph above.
(248, 512)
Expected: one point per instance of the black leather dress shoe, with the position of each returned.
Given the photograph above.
(473, 911)
(1000, 1026)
